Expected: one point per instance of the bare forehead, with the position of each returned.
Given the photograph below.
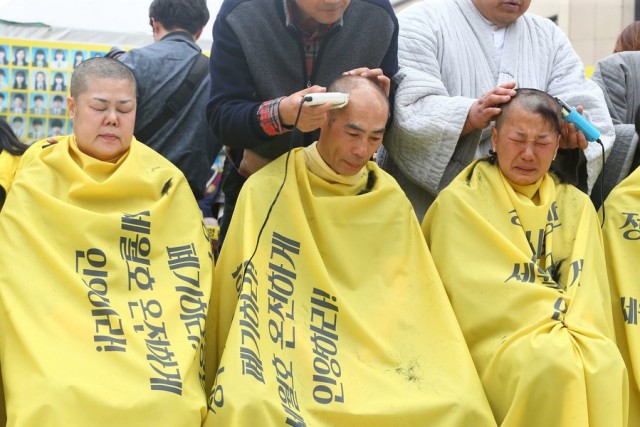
(101, 82)
(109, 88)
(519, 116)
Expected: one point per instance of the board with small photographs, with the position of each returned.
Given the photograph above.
(34, 84)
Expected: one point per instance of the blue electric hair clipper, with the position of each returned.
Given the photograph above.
(571, 115)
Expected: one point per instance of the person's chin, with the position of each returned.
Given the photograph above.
(509, 16)
(111, 149)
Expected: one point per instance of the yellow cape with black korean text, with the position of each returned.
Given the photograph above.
(621, 233)
(526, 276)
(340, 319)
(105, 279)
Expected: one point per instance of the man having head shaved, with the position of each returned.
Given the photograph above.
(459, 60)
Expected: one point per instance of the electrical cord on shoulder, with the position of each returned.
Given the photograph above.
(602, 182)
(371, 181)
(294, 134)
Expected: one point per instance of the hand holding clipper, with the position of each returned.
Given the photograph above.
(337, 99)
(572, 115)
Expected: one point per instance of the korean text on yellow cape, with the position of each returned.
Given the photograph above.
(105, 279)
(528, 284)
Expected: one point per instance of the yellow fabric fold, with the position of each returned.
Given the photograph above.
(105, 279)
(621, 233)
(528, 284)
(340, 319)
(8, 165)
(317, 166)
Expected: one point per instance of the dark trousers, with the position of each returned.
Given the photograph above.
(232, 183)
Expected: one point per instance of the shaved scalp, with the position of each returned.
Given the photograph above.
(348, 83)
(99, 68)
(190, 15)
(534, 101)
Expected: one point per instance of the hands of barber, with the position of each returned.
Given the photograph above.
(52, 140)
(484, 110)
(375, 74)
(311, 117)
(571, 137)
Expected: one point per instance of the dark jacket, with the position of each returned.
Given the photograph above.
(185, 139)
(617, 76)
(255, 57)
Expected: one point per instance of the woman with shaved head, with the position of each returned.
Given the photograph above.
(520, 255)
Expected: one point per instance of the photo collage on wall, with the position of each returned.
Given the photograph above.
(34, 85)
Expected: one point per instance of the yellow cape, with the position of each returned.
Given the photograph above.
(621, 233)
(528, 285)
(105, 279)
(8, 166)
(341, 319)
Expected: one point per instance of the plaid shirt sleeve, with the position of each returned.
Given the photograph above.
(269, 117)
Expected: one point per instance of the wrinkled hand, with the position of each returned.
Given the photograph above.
(375, 74)
(484, 110)
(571, 137)
(311, 117)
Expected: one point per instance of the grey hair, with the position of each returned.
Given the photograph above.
(347, 83)
(98, 68)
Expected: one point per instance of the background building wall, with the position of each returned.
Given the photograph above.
(592, 25)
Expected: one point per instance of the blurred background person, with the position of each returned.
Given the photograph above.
(629, 38)
(39, 59)
(20, 80)
(59, 59)
(58, 84)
